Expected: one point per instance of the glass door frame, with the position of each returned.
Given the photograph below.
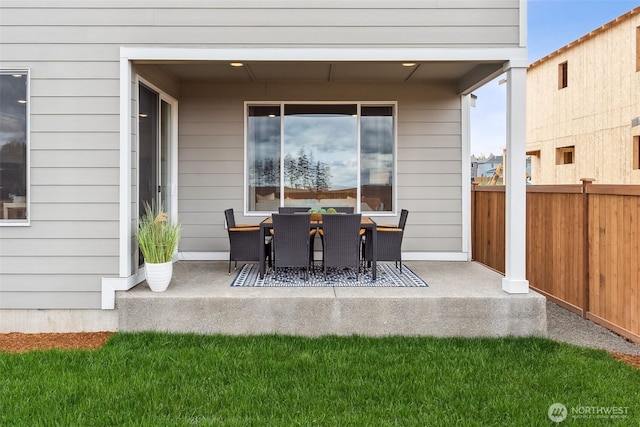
(166, 144)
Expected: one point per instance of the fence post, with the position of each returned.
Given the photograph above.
(585, 244)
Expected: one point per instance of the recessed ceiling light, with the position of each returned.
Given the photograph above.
(17, 75)
(22, 101)
(144, 115)
(408, 64)
(237, 64)
(272, 115)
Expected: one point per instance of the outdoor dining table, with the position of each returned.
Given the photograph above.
(366, 223)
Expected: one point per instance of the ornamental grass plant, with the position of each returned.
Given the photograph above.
(157, 235)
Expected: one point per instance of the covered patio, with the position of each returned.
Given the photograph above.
(206, 170)
(214, 150)
(462, 299)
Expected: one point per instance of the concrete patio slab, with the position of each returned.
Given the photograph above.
(463, 299)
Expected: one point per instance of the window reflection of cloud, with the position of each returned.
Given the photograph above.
(332, 140)
(7, 137)
(264, 139)
(376, 159)
(344, 174)
(328, 139)
(377, 135)
(321, 132)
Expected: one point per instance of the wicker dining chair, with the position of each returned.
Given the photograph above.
(389, 242)
(341, 242)
(299, 210)
(291, 242)
(245, 241)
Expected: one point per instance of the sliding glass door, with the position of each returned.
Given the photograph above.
(156, 139)
(149, 190)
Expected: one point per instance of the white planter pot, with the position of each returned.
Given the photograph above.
(158, 275)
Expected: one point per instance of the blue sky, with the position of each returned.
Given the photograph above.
(551, 25)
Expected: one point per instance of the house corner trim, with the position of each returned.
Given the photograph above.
(112, 284)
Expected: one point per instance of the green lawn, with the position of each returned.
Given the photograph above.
(167, 379)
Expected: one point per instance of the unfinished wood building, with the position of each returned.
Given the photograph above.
(583, 108)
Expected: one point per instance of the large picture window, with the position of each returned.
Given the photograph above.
(13, 146)
(320, 156)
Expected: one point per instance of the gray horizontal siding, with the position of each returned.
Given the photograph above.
(346, 23)
(263, 16)
(440, 141)
(190, 179)
(50, 300)
(75, 194)
(39, 231)
(435, 153)
(72, 212)
(71, 123)
(74, 140)
(74, 105)
(61, 265)
(64, 248)
(269, 36)
(434, 168)
(72, 50)
(258, 4)
(64, 176)
(77, 87)
(210, 153)
(53, 52)
(95, 158)
(35, 283)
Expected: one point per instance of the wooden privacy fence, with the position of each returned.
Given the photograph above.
(583, 247)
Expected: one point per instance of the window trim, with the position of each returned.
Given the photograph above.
(561, 153)
(359, 104)
(23, 222)
(637, 49)
(563, 75)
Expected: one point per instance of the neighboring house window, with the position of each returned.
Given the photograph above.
(563, 75)
(533, 160)
(320, 155)
(565, 155)
(13, 146)
(637, 48)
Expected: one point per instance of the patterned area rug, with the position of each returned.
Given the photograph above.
(388, 276)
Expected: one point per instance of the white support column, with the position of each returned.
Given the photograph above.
(125, 266)
(515, 281)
